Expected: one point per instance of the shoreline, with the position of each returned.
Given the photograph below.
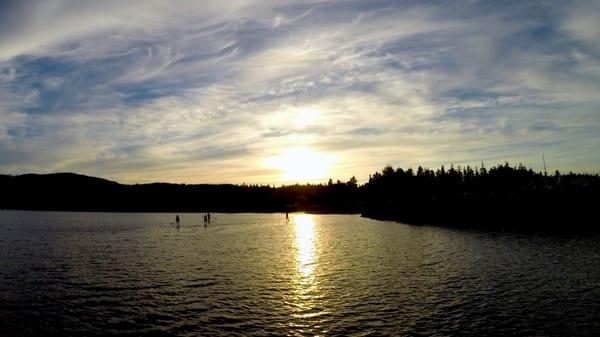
(464, 224)
(187, 211)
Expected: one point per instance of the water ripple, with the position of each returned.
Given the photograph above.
(256, 275)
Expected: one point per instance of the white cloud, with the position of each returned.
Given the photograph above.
(582, 22)
(206, 91)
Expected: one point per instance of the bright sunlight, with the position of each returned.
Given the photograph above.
(305, 116)
(302, 164)
(305, 237)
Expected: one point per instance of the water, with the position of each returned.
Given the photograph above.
(256, 274)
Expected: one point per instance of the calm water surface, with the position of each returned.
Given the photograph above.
(257, 274)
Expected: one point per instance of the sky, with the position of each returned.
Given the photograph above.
(277, 92)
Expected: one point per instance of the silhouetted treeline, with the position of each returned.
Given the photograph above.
(502, 196)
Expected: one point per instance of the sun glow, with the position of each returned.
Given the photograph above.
(305, 117)
(302, 164)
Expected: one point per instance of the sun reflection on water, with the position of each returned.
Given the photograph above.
(305, 245)
(307, 296)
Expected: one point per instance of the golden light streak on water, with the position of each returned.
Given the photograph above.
(305, 245)
(306, 286)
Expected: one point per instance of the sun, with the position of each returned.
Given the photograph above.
(302, 164)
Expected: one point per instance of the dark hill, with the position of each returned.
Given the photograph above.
(63, 179)
(69, 191)
(56, 191)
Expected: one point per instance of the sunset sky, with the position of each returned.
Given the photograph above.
(283, 91)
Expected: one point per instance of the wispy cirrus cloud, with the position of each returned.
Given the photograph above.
(209, 91)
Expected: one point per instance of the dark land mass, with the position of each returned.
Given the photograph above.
(502, 197)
